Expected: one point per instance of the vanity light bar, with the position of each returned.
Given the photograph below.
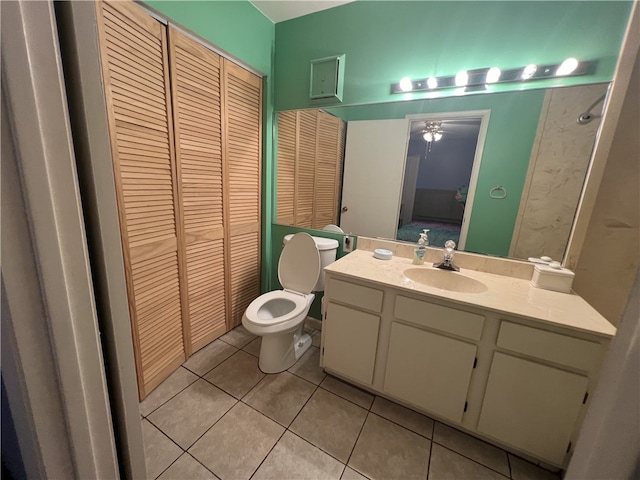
(480, 77)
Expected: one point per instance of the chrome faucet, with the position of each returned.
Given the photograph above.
(447, 261)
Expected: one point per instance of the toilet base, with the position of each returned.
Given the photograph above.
(280, 352)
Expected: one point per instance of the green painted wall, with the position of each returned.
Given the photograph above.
(241, 30)
(387, 40)
(505, 160)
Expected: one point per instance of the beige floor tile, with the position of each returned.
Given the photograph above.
(351, 474)
(177, 381)
(403, 416)
(280, 397)
(346, 391)
(237, 374)
(209, 357)
(235, 446)
(294, 458)
(189, 414)
(330, 423)
(471, 447)
(253, 347)
(308, 367)
(313, 323)
(316, 338)
(238, 337)
(386, 450)
(523, 470)
(187, 468)
(448, 465)
(159, 451)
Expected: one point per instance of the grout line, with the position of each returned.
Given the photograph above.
(469, 458)
(200, 463)
(358, 437)
(171, 397)
(509, 465)
(433, 428)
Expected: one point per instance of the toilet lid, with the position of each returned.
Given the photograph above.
(299, 265)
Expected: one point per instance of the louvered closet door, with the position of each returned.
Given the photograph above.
(328, 165)
(134, 62)
(242, 127)
(286, 168)
(305, 167)
(195, 86)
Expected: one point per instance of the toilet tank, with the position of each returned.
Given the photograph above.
(328, 248)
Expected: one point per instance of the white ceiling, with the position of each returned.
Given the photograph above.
(279, 10)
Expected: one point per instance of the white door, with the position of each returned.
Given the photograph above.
(375, 155)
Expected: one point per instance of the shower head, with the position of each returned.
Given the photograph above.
(587, 116)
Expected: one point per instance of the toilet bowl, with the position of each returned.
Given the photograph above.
(278, 316)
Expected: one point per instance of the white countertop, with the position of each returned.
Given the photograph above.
(504, 294)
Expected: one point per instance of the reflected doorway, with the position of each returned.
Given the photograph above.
(442, 163)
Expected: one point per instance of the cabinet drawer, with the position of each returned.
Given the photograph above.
(355, 295)
(445, 319)
(554, 347)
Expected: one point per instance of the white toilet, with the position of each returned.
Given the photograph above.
(278, 316)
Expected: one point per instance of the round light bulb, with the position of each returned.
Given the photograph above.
(432, 82)
(406, 85)
(493, 75)
(428, 137)
(462, 77)
(529, 71)
(437, 136)
(567, 67)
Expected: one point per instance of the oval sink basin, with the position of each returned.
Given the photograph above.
(445, 280)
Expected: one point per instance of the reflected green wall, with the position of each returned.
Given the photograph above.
(387, 40)
(505, 160)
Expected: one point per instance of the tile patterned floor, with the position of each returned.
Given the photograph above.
(219, 417)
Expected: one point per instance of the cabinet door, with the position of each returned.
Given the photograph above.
(133, 48)
(429, 370)
(532, 406)
(195, 84)
(350, 342)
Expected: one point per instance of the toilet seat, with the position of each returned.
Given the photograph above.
(299, 264)
(298, 271)
(257, 312)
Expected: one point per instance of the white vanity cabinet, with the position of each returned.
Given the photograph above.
(537, 387)
(350, 329)
(426, 364)
(429, 370)
(510, 379)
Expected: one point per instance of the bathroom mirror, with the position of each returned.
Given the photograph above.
(531, 167)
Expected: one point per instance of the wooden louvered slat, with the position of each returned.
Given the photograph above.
(198, 135)
(242, 142)
(286, 168)
(305, 167)
(325, 204)
(135, 71)
(245, 269)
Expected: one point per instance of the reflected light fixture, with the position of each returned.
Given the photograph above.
(481, 77)
(432, 132)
